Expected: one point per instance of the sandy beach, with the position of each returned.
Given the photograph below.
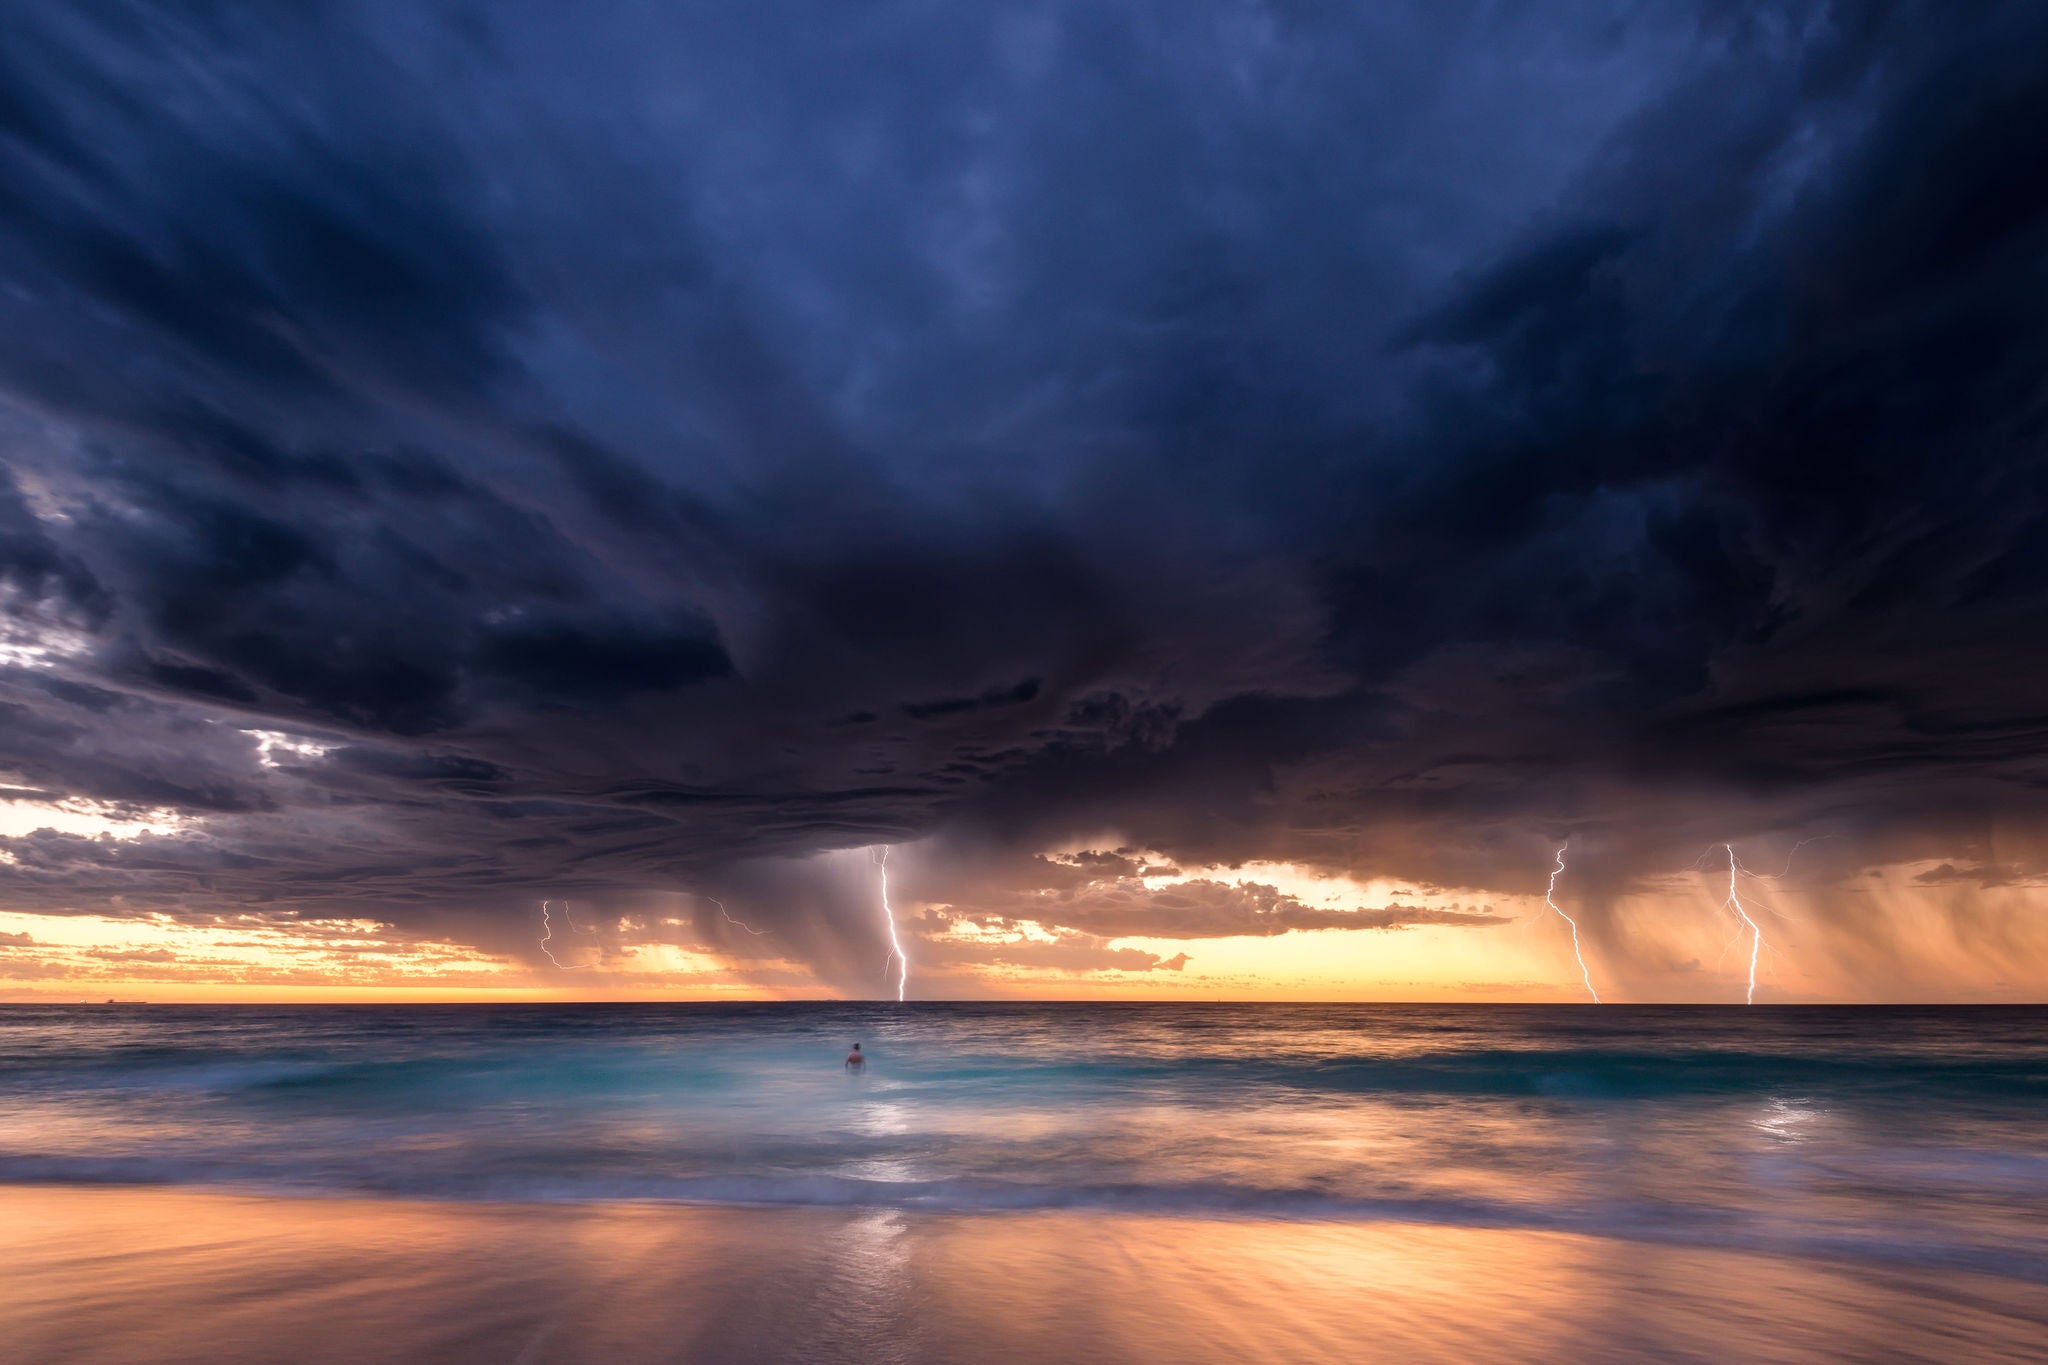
(120, 1276)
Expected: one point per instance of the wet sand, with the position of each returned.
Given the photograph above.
(98, 1276)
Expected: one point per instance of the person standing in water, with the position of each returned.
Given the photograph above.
(854, 1061)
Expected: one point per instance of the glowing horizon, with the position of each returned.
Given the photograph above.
(1666, 945)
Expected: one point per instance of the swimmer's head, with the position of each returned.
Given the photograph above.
(856, 1047)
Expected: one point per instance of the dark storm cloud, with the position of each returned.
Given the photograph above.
(630, 451)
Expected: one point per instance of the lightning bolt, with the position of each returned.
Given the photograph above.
(1780, 876)
(1734, 902)
(889, 918)
(548, 934)
(736, 923)
(1550, 899)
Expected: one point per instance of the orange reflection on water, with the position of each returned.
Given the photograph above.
(104, 1276)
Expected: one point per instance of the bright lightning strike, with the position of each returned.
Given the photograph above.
(1550, 899)
(889, 918)
(1734, 902)
(548, 934)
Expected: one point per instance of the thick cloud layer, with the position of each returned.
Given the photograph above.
(461, 454)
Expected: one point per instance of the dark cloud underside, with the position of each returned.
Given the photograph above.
(631, 449)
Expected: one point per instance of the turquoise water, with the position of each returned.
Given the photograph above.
(1898, 1135)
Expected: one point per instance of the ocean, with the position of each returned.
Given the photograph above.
(1020, 1184)
(1905, 1136)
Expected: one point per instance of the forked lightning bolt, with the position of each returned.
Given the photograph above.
(1550, 899)
(889, 918)
(548, 934)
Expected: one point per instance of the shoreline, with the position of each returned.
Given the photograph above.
(105, 1274)
(1286, 1209)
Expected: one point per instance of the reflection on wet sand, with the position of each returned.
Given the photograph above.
(98, 1277)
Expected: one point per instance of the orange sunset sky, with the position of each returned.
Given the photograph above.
(1896, 933)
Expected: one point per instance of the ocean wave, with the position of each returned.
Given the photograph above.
(218, 1078)
(1615, 1074)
